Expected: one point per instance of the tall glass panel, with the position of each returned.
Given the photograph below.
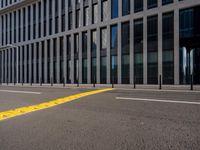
(152, 50)
(125, 7)
(138, 5)
(114, 9)
(152, 3)
(189, 45)
(114, 48)
(138, 51)
(168, 48)
(125, 52)
(103, 70)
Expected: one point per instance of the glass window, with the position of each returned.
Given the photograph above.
(125, 7)
(168, 48)
(138, 5)
(84, 42)
(164, 2)
(94, 13)
(125, 38)
(104, 11)
(78, 18)
(152, 3)
(84, 70)
(114, 9)
(152, 49)
(114, 38)
(86, 16)
(103, 70)
(104, 39)
(138, 51)
(114, 73)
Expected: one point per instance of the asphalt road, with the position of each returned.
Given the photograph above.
(114, 120)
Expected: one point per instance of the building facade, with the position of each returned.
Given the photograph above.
(100, 41)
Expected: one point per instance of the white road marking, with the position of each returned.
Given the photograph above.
(157, 100)
(157, 90)
(22, 92)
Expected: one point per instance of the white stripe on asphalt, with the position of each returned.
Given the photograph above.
(157, 100)
(22, 92)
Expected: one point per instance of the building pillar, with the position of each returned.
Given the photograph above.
(40, 61)
(145, 63)
(65, 58)
(9, 64)
(30, 63)
(80, 58)
(176, 47)
(119, 72)
(108, 56)
(159, 46)
(35, 61)
(47, 17)
(72, 58)
(25, 63)
(59, 15)
(45, 61)
(98, 56)
(89, 57)
(131, 53)
(37, 20)
(58, 60)
(13, 65)
(42, 17)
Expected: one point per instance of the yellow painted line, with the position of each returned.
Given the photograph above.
(28, 109)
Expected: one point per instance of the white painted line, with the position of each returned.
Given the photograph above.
(153, 90)
(157, 100)
(22, 92)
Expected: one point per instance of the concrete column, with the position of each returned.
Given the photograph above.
(80, 58)
(120, 8)
(13, 65)
(42, 17)
(37, 20)
(58, 60)
(31, 22)
(89, 57)
(6, 65)
(4, 41)
(108, 56)
(98, 56)
(47, 17)
(3, 69)
(21, 33)
(53, 16)
(65, 57)
(51, 60)
(1, 31)
(26, 9)
(131, 6)
(40, 62)
(72, 59)
(25, 63)
(74, 14)
(176, 47)
(17, 65)
(30, 63)
(81, 14)
(45, 61)
(12, 16)
(35, 66)
(90, 11)
(99, 14)
(17, 25)
(119, 56)
(2, 62)
(66, 15)
(131, 53)
(20, 64)
(159, 46)
(8, 28)
(9, 65)
(145, 50)
(59, 15)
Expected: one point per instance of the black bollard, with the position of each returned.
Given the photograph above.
(160, 82)
(191, 82)
(134, 82)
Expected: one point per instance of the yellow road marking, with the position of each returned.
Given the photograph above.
(24, 110)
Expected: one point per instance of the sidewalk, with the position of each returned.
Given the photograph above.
(116, 86)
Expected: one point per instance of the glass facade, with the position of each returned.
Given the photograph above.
(112, 41)
(152, 50)
(168, 48)
(138, 51)
(189, 45)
